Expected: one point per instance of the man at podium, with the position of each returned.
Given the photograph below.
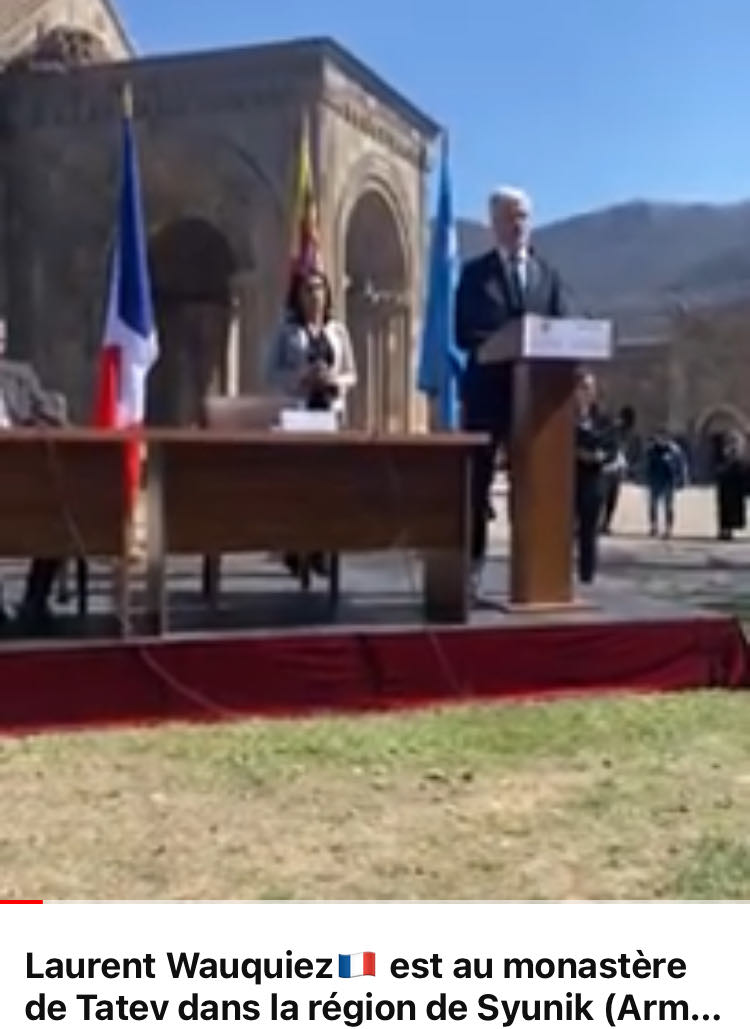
(506, 283)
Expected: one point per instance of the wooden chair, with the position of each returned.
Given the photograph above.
(253, 413)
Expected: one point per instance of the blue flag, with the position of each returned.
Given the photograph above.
(441, 364)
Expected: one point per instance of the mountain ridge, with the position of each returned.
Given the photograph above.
(638, 261)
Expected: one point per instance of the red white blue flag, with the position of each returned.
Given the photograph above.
(130, 345)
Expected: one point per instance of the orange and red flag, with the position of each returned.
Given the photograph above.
(306, 253)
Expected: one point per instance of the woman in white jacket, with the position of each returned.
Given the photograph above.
(311, 362)
(311, 359)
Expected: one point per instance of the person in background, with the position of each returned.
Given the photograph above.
(616, 470)
(731, 485)
(504, 284)
(594, 448)
(666, 473)
(311, 361)
(24, 404)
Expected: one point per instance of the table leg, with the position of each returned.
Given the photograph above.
(211, 579)
(82, 586)
(446, 585)
(157, 612)
(122, 593)
(334, 582)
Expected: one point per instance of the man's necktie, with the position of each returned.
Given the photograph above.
(516, 281)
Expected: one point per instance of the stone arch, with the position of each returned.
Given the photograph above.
(234, 192)
(373, 173)
(710, 428)
(721, 416)
(377, 264)
(192, 265)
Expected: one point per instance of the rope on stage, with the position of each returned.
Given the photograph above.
(154, 666)
(402, 543)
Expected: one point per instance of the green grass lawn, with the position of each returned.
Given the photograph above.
(608, 798)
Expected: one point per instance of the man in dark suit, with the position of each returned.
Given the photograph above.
(24, 403)
(505, 283)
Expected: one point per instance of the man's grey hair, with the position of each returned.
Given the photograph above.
(510, 195)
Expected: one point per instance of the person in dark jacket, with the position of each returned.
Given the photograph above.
(595, 446)
(731, 485)
(504, 284)
(23, 404)
(666, 473)
(616, 470)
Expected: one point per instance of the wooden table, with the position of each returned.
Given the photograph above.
(218, 493)
(63, 497)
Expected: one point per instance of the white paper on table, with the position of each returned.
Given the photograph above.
(298, 420)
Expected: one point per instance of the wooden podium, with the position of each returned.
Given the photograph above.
(545, 353)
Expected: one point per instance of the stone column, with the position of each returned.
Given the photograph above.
(391, 358)
(410, 380)
(234, 346)
(401, 363)
(379, 344)
(390, 362)
(248, 353)
(372, 421)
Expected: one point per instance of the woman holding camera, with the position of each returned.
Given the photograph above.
(312, 361)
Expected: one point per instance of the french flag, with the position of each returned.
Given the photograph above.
(130, 345)
(353, 965)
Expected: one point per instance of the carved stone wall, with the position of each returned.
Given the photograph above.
(217, 135)
(370, 156)
(24, 25)
(690, 381)
(639, 377)
(212, 145)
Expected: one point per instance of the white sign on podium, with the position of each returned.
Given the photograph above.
(534, 337)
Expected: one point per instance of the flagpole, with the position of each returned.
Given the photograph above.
(294, 188)
(304, 158)
(440, 365)
(435, 400)
(126, 100)
(313, 154)
(434, 414)
(137, 453)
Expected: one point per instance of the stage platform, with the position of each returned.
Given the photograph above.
(271, 649)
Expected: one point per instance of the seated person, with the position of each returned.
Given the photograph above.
(23, 403)
(311, 360)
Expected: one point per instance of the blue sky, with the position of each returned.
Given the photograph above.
(584, 102)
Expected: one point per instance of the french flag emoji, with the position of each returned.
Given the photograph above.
(352, 965)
